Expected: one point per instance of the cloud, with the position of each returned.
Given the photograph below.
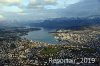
(33, 2)
(40, 4)
(37, 9)
(13, 9)
(1, 17)
(13, 6)
(10, 2)
(83, 8)
(72, 1)
(23, 14)
(50, 2)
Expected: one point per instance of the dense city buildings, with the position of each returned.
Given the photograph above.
(17, 51)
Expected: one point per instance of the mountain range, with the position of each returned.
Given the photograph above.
(68, 23)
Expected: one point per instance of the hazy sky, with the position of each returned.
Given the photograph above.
(43, 9)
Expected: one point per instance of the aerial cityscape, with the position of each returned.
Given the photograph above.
(73, 44)
(49, 33)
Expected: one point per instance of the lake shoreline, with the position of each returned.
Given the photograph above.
(42, 35)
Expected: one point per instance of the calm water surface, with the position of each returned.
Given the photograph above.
(42, 36)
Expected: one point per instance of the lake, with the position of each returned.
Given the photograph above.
(42, 35)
